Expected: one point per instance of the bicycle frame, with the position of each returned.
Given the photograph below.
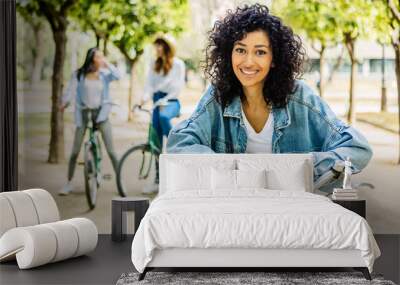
(154, 146)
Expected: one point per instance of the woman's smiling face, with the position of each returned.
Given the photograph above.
(252, 58)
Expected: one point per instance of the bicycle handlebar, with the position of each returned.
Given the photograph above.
(137, 106)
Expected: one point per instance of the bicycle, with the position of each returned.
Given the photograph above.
(137, 161)
(92, 162)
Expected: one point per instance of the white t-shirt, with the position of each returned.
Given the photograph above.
(92, 95)
(259, 142)
(172, 83)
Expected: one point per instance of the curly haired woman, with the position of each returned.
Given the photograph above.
(256, 104)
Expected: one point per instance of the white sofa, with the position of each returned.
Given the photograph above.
(31, 231)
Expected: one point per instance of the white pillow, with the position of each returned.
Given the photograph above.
(251, 178)
(183, 177)
(294, 181)
(282, 174)
(225, 179)
(189, 175)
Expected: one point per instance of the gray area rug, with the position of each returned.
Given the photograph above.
(243, 278)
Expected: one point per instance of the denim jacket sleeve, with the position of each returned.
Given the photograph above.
(194, 134)
(112, 73)
(187, 137)
(339, 141)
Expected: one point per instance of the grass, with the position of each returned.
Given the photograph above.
(384, 120)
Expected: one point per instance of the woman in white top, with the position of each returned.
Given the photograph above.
(89, 86)
(166, 79)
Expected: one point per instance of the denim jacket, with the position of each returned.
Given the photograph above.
(77, 87)
(305, 125)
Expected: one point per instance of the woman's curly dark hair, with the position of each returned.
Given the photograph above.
(287, 52)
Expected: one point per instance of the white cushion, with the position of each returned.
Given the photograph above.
(33, 246)
(282, 174)
(281, 162)
(40, 244)
(27, 208)
(45, 206)
(184, 177)
(226, 179)
(188, 175)
(251, 178)
(87, 233)
(223, 179)
(293, 181)
(67, 239)
(23, 208)
(7, 220)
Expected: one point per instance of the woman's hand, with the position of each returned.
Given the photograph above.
(161, 103)
(62, 107)
(105, 63)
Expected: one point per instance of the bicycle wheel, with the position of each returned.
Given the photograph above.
(90, 173)
(135, 169)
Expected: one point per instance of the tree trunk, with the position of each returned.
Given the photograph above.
(97, 41)
(383, 87)
(131, 90)
(351, 111)
(105, 50)
(397, 64)
(40, 54)
(56, 151)
(321, 86)
(351, 116)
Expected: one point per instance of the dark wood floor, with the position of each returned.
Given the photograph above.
(110, 260)
(102, 266)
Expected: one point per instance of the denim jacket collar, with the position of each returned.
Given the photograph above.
(281, 115)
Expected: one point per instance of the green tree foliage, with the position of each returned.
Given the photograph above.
(139, 21)
(331, 21)
(99, 17)
(316, 21)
